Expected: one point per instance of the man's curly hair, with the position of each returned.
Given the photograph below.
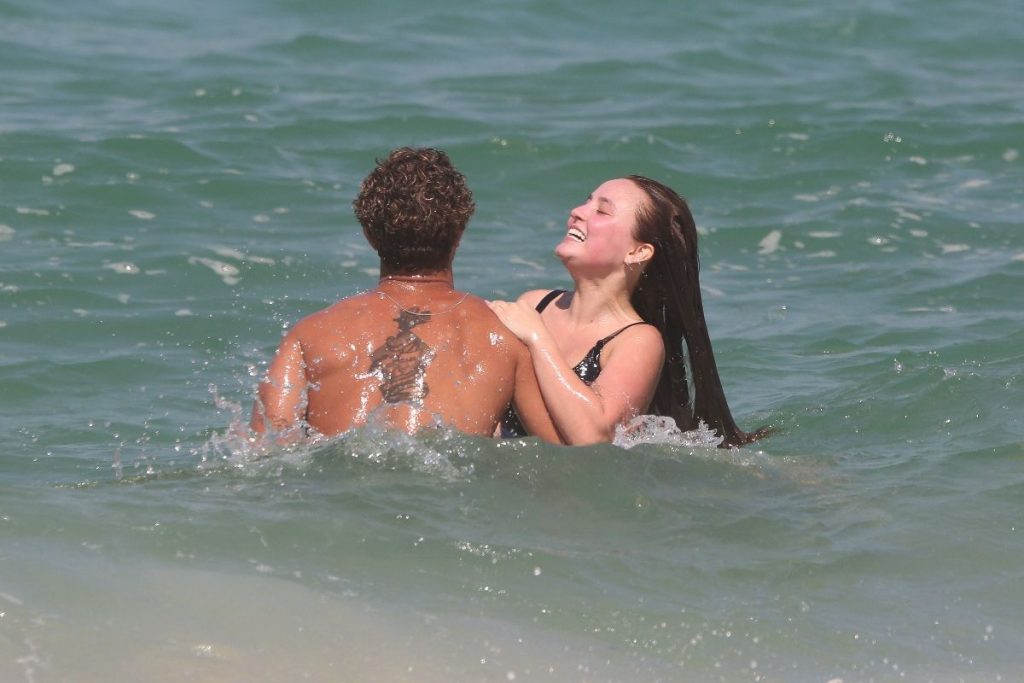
(414, 207)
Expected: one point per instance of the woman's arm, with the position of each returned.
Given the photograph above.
(585, 414)
(529, 401)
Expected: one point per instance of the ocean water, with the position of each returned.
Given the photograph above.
(175, 188)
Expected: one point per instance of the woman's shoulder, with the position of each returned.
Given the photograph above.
(640, 342)
(639, 331)
(639, 337)
(535, 296)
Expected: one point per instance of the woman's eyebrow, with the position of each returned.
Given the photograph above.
(606, 202)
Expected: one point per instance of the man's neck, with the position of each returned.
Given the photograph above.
(420, 294)
(434, 280)
(418, 277)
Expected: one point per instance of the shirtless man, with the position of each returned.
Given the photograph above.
(413, 351)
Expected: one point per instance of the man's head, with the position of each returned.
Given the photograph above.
(413, 208)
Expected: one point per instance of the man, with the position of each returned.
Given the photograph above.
(413, 351)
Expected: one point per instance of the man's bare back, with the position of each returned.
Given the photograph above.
(410, 354)
(413, 352)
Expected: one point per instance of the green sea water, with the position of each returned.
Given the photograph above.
(175, 189)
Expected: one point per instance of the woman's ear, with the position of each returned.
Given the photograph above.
(641, 253)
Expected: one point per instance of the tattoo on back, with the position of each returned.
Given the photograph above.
(402, 360)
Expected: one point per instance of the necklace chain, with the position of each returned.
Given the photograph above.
(422, 313)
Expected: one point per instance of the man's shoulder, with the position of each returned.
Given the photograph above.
(474, 312)
(486, 329)
(348, 308)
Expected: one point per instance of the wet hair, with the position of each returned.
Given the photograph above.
(668, 296)
(414, 207)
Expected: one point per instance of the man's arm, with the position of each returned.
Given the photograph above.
(529, 402)
(282, 395)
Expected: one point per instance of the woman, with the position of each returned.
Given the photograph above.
(635, 311)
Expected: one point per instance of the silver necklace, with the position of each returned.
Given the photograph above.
(422, 313)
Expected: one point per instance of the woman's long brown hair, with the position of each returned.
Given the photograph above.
(668, 296)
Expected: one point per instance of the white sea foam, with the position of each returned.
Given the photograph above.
(520, 261)
(954, 248)
(228, 252)
(657, 429)
(227, 272)
(142, 215)
(123, 267)
(99, 243)
(62, 169)
(909, 215)
(6, 232)
(925, 309)
(770, 242)
(232, 253)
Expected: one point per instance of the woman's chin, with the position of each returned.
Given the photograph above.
(567, 248)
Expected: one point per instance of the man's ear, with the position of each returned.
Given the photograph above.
(641, 253)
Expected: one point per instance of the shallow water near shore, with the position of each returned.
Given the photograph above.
(176, 191)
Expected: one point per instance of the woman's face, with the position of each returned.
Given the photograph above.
(600, 231)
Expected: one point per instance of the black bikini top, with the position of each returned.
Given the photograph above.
(589, 368)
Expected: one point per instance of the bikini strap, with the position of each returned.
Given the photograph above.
(548, 298)
(600, 344)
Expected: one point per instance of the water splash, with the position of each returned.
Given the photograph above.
(658, 429)
(438, 451)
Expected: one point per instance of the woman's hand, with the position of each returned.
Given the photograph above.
(523, 320)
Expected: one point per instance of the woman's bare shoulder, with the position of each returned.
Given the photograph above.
(533, 297)
(641, 339)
